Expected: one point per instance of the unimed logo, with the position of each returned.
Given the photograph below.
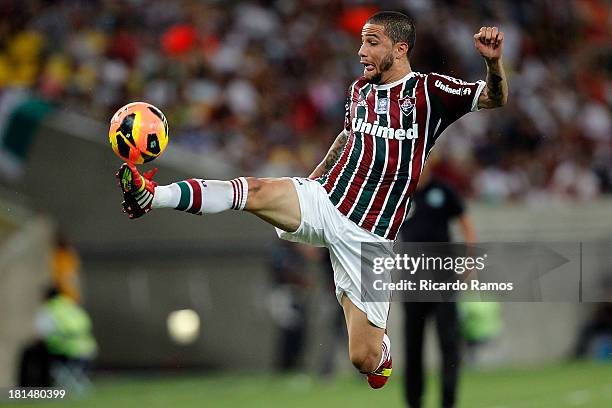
(386, 132)
(454, 91)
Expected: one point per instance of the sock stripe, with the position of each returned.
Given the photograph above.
(235, 188)
(240, 193)
(196, 205)
(185, 199)
(239, 200)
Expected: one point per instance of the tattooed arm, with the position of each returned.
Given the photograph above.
(489, 42)
(331, 157)
(495, 92)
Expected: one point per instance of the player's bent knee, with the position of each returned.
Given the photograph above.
(365, 360)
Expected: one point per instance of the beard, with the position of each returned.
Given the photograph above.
(385, 65)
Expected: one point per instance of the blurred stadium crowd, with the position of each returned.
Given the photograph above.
(263, 83)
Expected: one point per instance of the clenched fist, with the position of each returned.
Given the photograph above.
(489, 42)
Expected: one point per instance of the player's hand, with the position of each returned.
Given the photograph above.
(489, 42)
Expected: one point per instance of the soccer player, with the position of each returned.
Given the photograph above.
(361, 190)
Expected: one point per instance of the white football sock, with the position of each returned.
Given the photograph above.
(203, 196)
(166, 196)
(386, 350)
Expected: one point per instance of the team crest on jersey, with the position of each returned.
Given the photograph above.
(407, 104)
(382, 106)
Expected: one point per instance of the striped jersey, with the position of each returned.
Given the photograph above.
(390, 130)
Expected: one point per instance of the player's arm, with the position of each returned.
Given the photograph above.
(489, 42)
(467, 229)
(331, 157)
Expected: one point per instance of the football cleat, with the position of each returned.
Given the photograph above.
(138, 190)
(378, 379)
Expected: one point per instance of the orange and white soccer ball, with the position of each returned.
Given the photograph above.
(138, 132)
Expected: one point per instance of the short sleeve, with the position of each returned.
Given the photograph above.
(453, 97)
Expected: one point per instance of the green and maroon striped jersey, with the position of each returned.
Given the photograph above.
(391, 129)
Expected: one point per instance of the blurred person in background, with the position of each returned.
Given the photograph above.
(65, 349)
(360, 191)
(595, 336)
(288, 303)
(435, 206)
(575, 179)
(481, 323)
(336, 329)
(65, 268)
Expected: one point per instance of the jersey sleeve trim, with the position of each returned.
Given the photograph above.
(481, 85)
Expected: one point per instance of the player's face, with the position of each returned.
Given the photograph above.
(376, 52)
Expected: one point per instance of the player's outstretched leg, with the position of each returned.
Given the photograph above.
(273, 200)
(369, 346)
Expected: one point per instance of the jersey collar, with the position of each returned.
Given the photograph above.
(394, 83)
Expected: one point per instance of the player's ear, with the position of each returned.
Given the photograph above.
(401, 50)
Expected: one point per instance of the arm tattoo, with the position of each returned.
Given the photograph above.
(494, 87)
(331, 157)
(334, 152)
(496, 91)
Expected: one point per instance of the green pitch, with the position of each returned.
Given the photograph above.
(572, 385)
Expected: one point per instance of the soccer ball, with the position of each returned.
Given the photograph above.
(138, 132)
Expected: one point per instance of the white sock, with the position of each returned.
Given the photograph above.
(166, 196)
(386, 350)
(202, 196)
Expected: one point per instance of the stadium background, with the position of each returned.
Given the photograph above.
(258, 88)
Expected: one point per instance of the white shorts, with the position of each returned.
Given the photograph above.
(323, 225)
